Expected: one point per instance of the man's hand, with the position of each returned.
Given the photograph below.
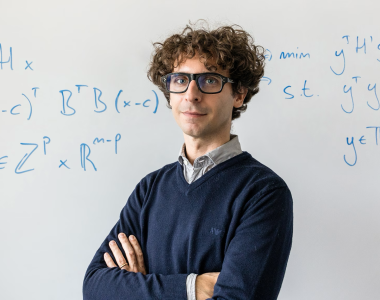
(204, 285)
(133, 251)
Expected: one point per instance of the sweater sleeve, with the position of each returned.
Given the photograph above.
(256, 258)
(101, 282)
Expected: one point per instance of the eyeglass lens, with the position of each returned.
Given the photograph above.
(208, 83)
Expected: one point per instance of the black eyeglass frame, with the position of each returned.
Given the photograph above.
(195, 77)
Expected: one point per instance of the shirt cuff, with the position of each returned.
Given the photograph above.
(190, 286)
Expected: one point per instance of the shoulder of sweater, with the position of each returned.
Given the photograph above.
(150, 177)
(260, 174)
(143, 187)
(263, 187)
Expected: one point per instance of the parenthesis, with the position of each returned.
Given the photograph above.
(30, 106)
(117, 101)
(156, 101)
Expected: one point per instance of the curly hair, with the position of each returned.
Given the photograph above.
(229, 47)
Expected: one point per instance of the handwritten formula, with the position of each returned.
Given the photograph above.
(351, 93)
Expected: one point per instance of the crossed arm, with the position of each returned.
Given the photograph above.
(204, 284)
(253, 266)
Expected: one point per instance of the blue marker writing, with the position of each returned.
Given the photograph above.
(98, 99)
(352, 99)
(353, 145)
(268, 56)
(363, 46)
(117, 138)
(14, 108)
(64, 104)
(344, 62)
(292, 96)
(266, 79)
(144, 103)
(83, 156)
(46, 142)
(30, 105)
(117, 100)
(377, 99)
(96, 140)
(35, 90)
(9, 59)
(24, 159)
(63, 163)
(377, 131)
(28, 65)
(3, 163)
(155, 110)
(79, 86)
(304, 89)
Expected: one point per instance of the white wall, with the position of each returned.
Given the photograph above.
(53, 219)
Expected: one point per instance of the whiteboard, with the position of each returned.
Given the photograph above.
(315, 122)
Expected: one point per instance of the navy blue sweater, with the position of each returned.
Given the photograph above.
(237, 219)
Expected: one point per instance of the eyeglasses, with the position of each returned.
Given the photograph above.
(208, 83)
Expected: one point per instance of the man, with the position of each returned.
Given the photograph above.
(216, 224)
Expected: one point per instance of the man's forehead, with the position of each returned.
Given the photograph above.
(196, 64)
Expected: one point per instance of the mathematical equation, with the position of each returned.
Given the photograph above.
(350, 91)
(84, 151)
(355, 83)
(68, 96)
(371, 86)
(100, 105)
(338, 69)
(288, 56)
(361, 141)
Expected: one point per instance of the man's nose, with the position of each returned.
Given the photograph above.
(193, 93)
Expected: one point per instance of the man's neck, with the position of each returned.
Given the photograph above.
(198, 146)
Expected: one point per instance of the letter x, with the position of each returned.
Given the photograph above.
(28, 65)
(63, 163)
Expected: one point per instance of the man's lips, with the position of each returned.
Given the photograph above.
(193, 114)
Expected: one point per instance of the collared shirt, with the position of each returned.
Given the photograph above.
(201, 165)
(206, 162)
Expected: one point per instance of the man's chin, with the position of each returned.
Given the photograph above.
(195, 133)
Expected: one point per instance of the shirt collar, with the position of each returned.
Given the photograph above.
(216, 156)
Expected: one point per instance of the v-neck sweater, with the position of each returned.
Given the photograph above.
(204, 163)
(237, 219)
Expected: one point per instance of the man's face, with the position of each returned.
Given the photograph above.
(203, 115)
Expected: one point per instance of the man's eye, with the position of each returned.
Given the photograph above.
(211, 81)
(180, 80)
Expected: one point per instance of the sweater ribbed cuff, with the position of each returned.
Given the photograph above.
(190, 286)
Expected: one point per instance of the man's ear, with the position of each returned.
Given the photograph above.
(239, 97)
